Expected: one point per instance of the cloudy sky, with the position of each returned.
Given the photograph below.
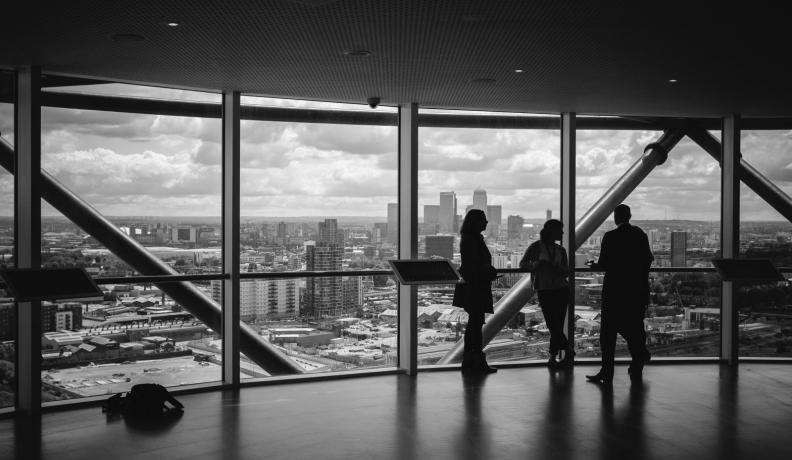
(130, 164)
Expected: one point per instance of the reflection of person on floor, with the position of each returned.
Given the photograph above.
(474, 294)
(625, 257)
(549, 266)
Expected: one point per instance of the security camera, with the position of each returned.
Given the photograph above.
(373, 102)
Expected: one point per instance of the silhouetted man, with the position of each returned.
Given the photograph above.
(625, 257)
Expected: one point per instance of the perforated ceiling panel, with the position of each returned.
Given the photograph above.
(588, 57)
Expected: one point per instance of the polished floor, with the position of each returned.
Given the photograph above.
(684, 411)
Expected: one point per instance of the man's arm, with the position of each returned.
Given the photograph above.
(649, 257)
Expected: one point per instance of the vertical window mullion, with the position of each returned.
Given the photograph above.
(730, 238)
(231, 175)
(408, 234)
(27, 143)
(568, 153)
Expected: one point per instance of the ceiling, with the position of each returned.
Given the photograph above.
(610, 58)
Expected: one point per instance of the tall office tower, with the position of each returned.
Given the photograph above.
(282, 233)
(328, 232)
(379, 233)
(500, 261)
(393, 222)
(440, 246)
(495, 217)
(549, 213)
(352, 287)
(323, 296)
(514, 225)
(678, 249)
(431, 214)
(480, 200)
(448, 212)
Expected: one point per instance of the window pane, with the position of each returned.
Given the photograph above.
(765, 309)
(678, 206)
(511, 174)
(314, 197)
(7, 241)
(157, 180)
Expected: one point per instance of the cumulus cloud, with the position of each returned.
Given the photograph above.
(151, 165)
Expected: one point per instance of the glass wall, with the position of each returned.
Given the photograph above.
(678, 206)
(156, 179)
(7, 241)
(765, 309)
(511, 174)
(319, 197)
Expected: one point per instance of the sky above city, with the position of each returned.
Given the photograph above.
(147, 165)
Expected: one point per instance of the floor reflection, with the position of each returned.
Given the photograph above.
(555, 440)
(474, 437)
(623, 432)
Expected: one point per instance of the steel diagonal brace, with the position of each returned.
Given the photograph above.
(130, 251)
(654, 155)
(757, 182)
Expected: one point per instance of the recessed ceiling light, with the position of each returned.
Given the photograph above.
(173, 24)
(672, 80)
(357, 53)
(518, 71)
(127, 37)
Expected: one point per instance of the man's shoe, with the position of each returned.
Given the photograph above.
(601, 378)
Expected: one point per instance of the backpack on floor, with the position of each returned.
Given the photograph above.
(147, 399)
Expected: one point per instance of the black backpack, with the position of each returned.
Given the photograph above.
(147, 399)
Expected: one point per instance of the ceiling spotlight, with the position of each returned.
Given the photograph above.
(672, 80)
(172, 24)
(357, 53)
(518, 71)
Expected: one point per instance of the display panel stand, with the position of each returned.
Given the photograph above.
(425, 271)
(36, 284)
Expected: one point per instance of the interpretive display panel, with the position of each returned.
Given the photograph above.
(432, 271)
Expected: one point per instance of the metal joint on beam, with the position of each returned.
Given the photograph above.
(654, 155)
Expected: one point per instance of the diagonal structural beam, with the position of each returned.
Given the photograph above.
(130, 251)
(763, 187)
(654, 155)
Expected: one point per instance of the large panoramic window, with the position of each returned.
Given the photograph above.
(764, 308)
(513, 176)
(678, 206)
(7, 241)
(317, 197)
(153, 181)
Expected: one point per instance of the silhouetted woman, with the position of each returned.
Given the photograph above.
(549, 267)
(475, 293)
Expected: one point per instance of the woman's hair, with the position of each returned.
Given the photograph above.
(473, 217)
(550, 225)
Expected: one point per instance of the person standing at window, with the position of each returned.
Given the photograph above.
(474, 293)
(625, 257)
(549, 267)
